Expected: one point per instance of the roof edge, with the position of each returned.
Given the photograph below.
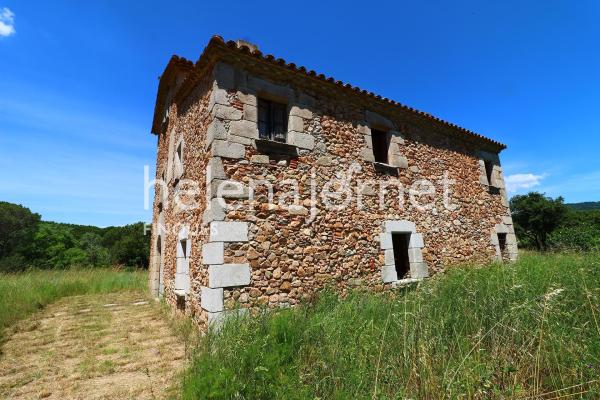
(207, 58)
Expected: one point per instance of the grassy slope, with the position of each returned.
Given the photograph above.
(496, 332)
(24, 293)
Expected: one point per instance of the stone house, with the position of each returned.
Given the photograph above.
(256, 161)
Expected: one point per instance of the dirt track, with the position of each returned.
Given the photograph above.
(115, 346)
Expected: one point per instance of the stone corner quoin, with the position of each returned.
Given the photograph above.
(235, 117)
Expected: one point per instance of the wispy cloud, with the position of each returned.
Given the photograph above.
(515, 182)
(7, 22)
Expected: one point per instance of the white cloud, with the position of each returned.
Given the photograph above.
(522, 181)
(7, 22)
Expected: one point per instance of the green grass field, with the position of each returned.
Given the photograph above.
(524, 331)
(23, 293)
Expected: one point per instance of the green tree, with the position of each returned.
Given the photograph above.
(96, 254)
(17, 227)
(536, 216)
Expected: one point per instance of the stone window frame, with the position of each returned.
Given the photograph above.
(418, 267)
(233, 127)
(496, 183)
(395, 157)
(511, 240)
(181, 283)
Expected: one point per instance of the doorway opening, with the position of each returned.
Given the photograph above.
(400, 244)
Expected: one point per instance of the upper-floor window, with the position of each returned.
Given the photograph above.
(489, 169)
(178, 162)
(381, 144)
(272, 120)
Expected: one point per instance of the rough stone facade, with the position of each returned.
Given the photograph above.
(212, 257)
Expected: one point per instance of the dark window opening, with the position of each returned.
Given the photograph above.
(400, 244)
(502, 244)
(489, 168)
(380, 143)
(272, 120)
(183, 244)
(179, 153)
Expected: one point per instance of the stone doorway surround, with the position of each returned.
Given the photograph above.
(418, 267)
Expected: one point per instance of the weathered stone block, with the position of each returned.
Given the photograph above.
(377, 119)
(301, 112)
(301, 140)
(240, 140)
(226, 112)
(296, 209)
(215, 170)
(233, 231)
(222, 148)
(295, 124)
(215, 130)
(243, 128)
(229, 189)
(418, 270)
(250, 113)
(400, 226)
(228, 275)
(501, 228)
(214, 212)
(415, 254)
(367, 154)
(211, 300)
(389, 274)
(398, 161)
(385, 241)
(260, 159)
(247, 98)
(213, 253)
(416, 241)
(217, 96)
(279, 92)
(389, 257)
(396, 137)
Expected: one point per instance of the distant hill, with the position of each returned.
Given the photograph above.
(588, 205)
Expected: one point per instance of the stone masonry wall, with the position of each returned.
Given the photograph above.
(256, 253)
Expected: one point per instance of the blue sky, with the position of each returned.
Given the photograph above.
(78, 82)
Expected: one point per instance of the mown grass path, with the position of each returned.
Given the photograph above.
(101, 346)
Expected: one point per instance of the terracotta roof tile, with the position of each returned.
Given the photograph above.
(218, 41)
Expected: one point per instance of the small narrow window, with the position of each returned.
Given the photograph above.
(380, 146)
(400, 245)
(178, 161)
(502, 244)
(182, 268)
(272, 120)
(489, 168)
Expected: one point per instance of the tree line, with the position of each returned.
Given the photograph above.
(541, 223)
(544, 223)
(28, 242)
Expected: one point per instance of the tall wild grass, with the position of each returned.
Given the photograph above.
(26, 292)
(530, 330)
